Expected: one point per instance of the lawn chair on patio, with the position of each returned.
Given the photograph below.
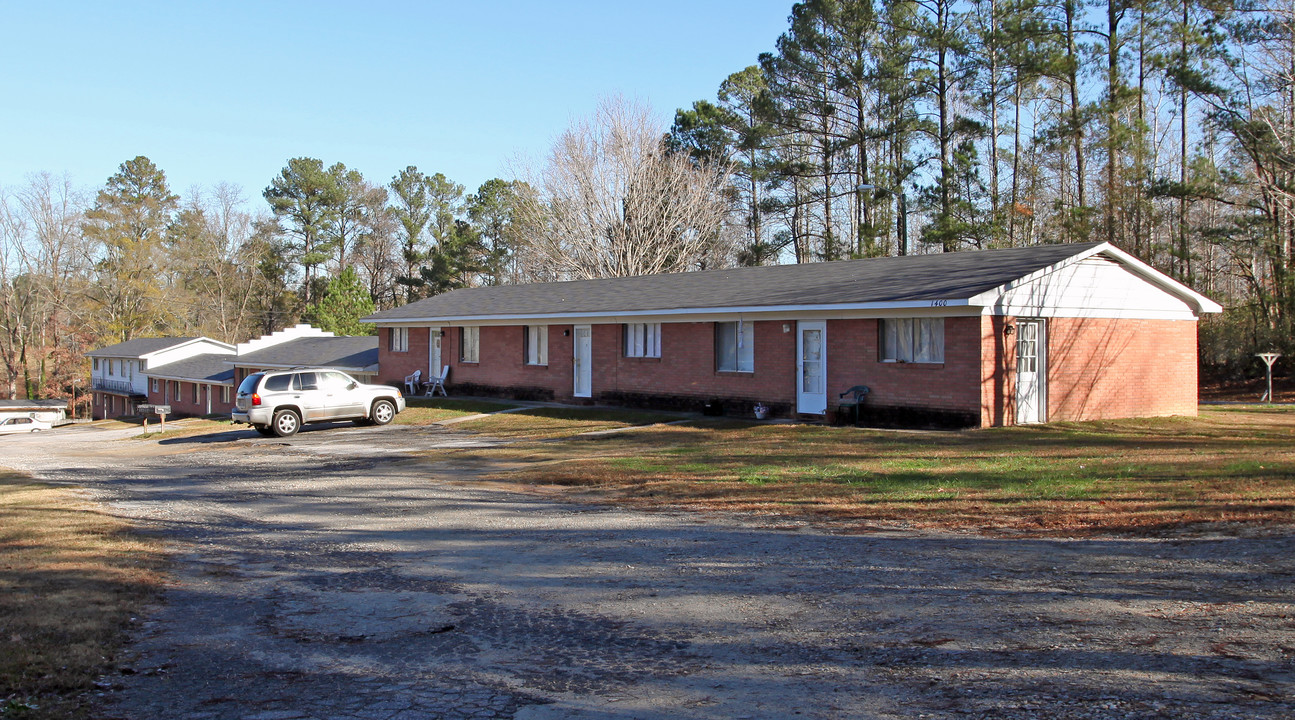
(438, 383)
(857, 395)
(411, 382)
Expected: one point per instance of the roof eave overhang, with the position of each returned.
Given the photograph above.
(366, 369)
(959, 306)
(186, 378)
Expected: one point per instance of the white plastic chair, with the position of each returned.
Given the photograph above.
(411, 382)
(438, 383)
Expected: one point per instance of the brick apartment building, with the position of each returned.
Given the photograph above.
(984, 338)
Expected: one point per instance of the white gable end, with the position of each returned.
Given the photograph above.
(1095, 287)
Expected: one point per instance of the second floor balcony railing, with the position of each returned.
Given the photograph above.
(120, 386)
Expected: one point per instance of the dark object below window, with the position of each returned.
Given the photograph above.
(540, 394)
(713, 408)
(857, 395)
(909, 417)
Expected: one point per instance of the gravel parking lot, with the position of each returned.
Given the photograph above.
(332, 575)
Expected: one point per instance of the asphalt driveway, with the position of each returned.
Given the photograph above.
(336, 575)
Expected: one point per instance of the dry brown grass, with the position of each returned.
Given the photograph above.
(187, 427)
(72, 580)
(1234, 465)
(553, 422)
(426, 411)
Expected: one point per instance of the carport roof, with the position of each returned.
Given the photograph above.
(212, 368)
(357, 354)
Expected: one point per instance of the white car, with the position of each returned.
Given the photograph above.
(13, 425)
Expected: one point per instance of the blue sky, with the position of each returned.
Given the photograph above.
(229, 91)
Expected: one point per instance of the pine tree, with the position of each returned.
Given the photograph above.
(128, 221)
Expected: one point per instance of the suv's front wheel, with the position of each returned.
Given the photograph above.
(383, 412)
(286, 422)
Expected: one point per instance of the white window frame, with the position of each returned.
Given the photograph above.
(743, 337)
(197, 393)
(537, 344)
(225, 393)
(154, 384)
(643, 340)
(912, 340)
(398, 339)
(470, 344)
(95, 364)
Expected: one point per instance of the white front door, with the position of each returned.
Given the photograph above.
(811, 386)
(583, 361)
(1031, 372)
(433, 353)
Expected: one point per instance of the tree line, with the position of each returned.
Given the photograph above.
(329, 246)
(138, 260)
(886, 127)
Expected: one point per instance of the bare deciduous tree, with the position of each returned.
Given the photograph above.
(611, 202)
(43, 266)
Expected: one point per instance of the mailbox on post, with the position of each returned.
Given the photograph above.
(161, 411)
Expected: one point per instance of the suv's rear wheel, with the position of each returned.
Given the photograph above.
(382, 413)
(286, 422)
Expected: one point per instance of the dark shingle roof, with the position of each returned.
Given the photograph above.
(946, 276)
(209, 368)
(139, 347)
(30, 404)
(345, 353)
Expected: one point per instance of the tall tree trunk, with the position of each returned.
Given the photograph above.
(1114, 98)
(946, 141)
(1185, 268)
(993, 111)
(1016, 162)
(1076, 121)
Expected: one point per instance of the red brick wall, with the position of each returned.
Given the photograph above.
(1097, 368)
(184, 403)
(393, 367)
(687, 364)
(1105, 368)
(854, 358)
(997, 372)
(686, 367)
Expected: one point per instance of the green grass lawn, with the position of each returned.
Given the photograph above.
(1232, 464)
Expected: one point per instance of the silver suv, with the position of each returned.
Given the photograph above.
(277, 402)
